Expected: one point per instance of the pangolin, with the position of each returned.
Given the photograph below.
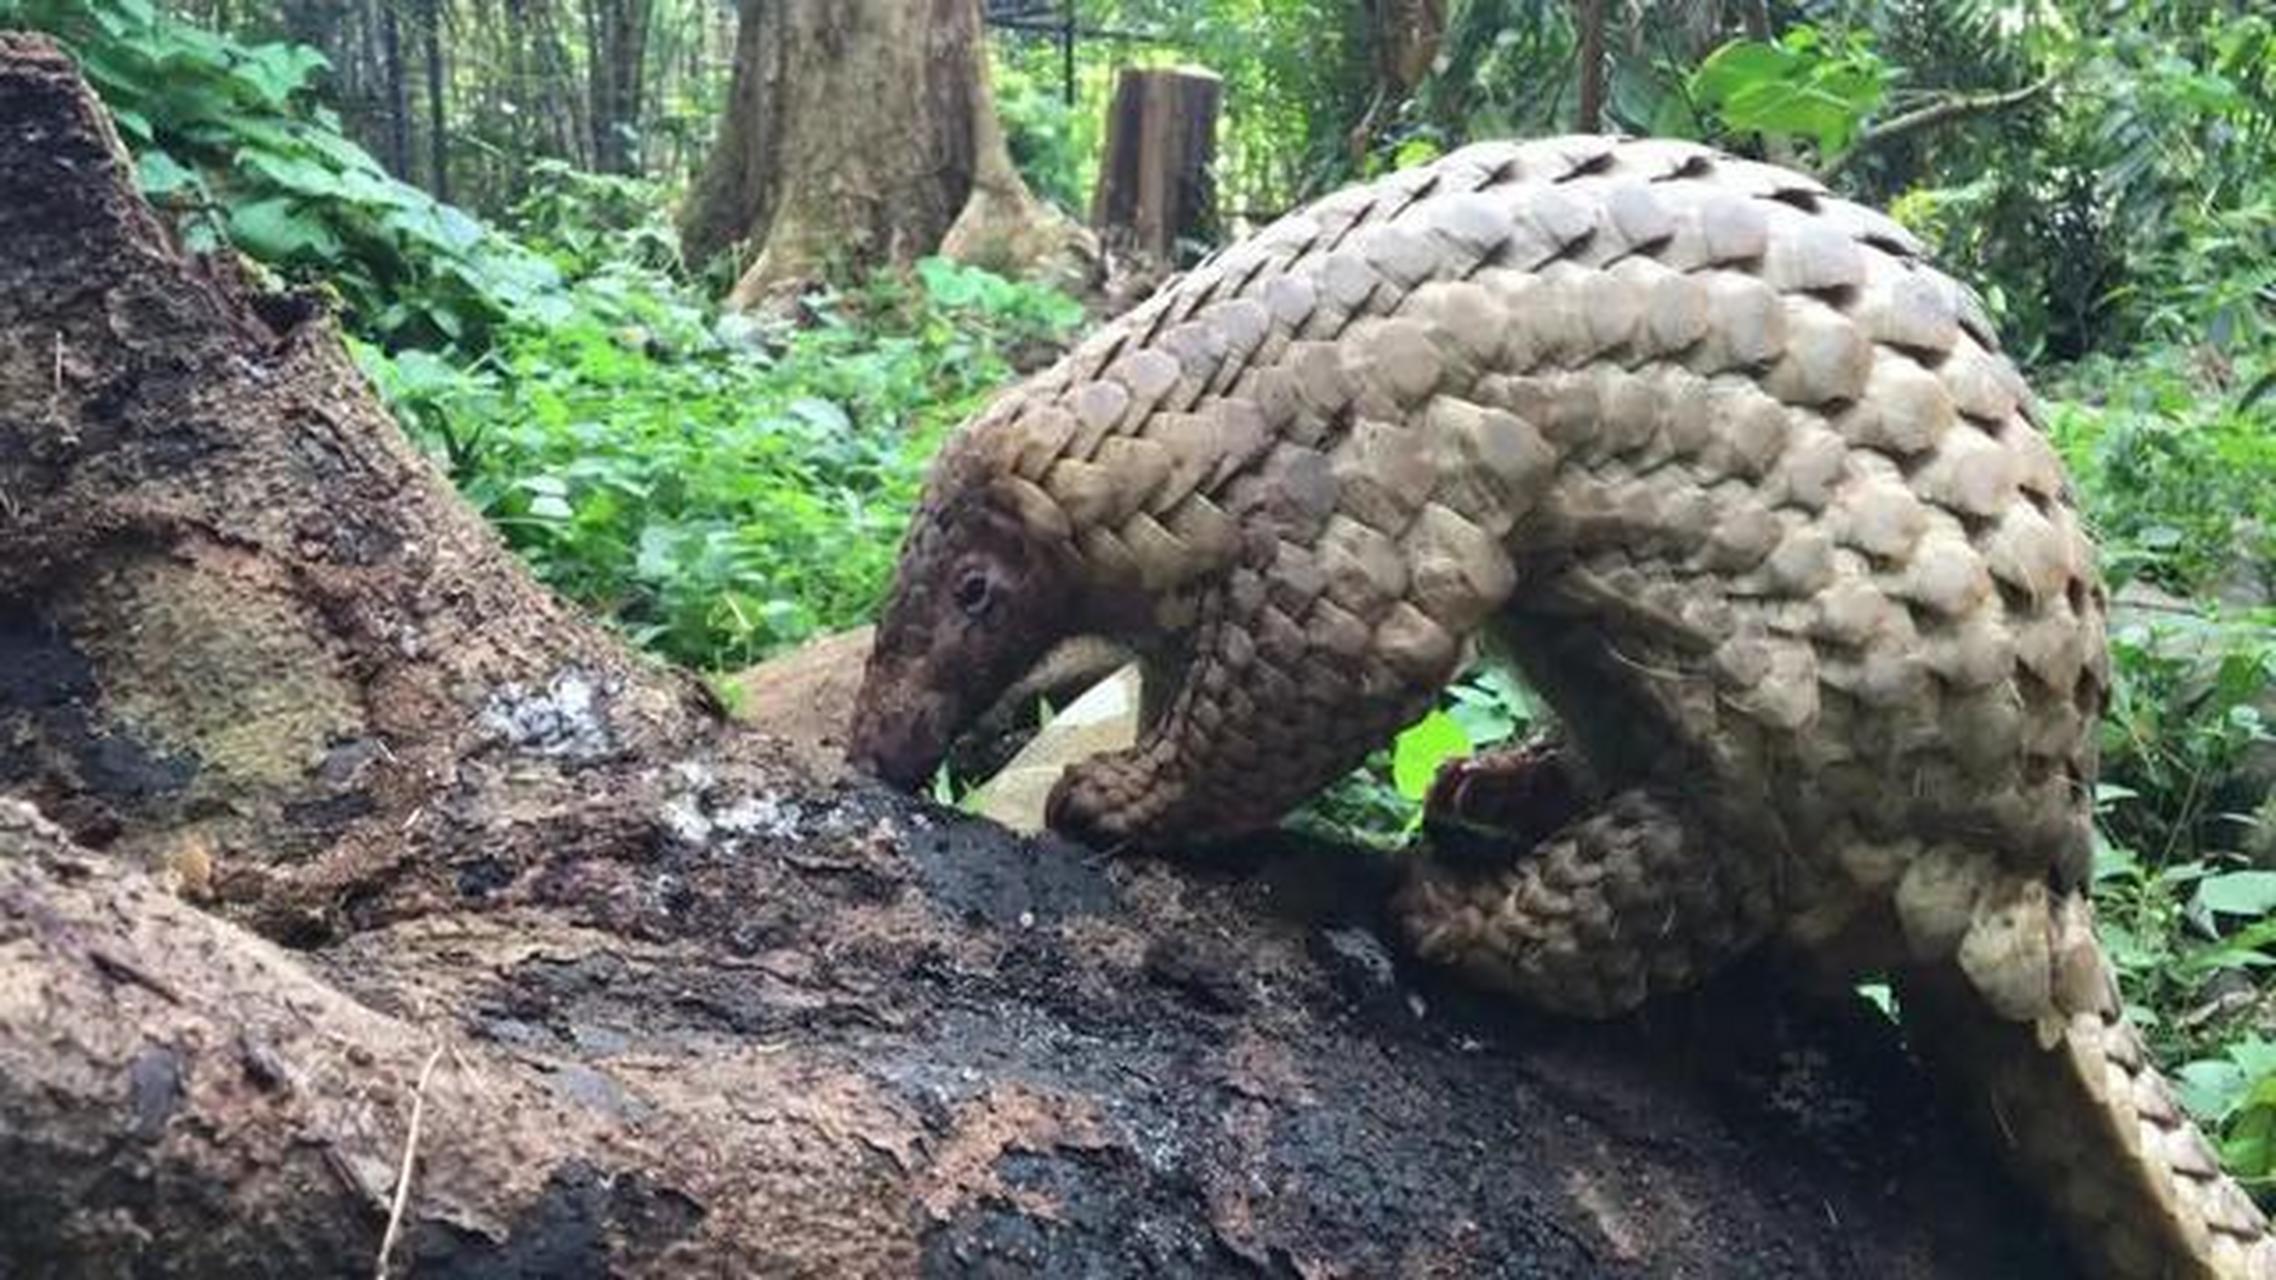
(1748, 492)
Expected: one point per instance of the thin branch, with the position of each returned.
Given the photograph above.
(410, 1156)
(1942, 111)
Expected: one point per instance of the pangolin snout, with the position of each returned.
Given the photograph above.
(900, 750)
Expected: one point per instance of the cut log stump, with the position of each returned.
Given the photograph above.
(1154, 183)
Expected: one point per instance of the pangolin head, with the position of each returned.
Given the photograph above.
(986, 585)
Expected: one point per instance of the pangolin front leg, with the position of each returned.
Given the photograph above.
(1286, 692)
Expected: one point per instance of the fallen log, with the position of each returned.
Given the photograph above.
(364, 910)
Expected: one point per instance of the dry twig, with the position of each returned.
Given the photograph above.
(410, 1156)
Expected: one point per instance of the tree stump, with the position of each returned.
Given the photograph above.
(1154, 185)
(363, 909)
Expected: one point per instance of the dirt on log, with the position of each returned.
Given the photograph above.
(333, 847)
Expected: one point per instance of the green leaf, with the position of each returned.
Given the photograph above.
(275, 230)
(2238, 893)
(1415, 151)
(824, 416)
(133, 124)
(2211, 1087)
(301, 177)
(1806, 86)
(160, 174)
(1739, 65)
(277, 71)
(1421, 749)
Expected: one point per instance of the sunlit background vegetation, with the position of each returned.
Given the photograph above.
(471, 183)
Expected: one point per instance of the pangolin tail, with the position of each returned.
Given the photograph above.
(2087, 1121)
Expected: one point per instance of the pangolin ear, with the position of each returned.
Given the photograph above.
(1038, 513)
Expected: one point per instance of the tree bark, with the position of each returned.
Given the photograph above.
(856, 133)
(617, 38)
(346, 822)
(438, 129)
(564, 105)
(1406, 35)
(1153, 184)
(1589, 117)
(398, 91)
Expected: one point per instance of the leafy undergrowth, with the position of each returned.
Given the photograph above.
(720, 487)
(2175, 458)
(230, 137)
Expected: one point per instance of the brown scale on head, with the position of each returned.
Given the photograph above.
(981, 596)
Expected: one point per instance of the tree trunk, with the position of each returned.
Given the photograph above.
(616, 34)
(1154, 181)
(1406, 35)
(564, 106)
(438, 131)
(1589, 118)
(398, 90)
(1755, 14)
(1403, 37)
(855, 134)
(583, 980)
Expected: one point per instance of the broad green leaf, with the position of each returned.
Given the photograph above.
(1416, 151)
(133, 124)
(1421, 749)
(1739, 65)
(823, 415)
(160, 174)
(546, 506)
(276, 230)
(301, 177)
(2238, 893)
(2211, 1087)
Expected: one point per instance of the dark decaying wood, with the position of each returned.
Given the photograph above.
(336, 800)
(1153, 182)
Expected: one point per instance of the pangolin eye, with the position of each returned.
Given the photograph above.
(972, 593)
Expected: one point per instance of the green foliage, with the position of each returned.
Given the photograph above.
(586, 223)
(229, 134)
(1042, 132)
(1380, 803)
(2235, 1092)
(2177, 109)
(2178, 476)
(1808, 85)
(719, 488)
(2176, 473)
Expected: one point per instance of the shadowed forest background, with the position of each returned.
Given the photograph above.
(505, 199)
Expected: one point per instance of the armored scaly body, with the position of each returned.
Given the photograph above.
(1747, 490)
